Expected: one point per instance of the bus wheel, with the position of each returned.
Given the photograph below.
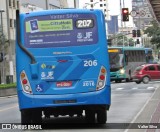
(71, 115)
(25, 117)
(118, 81)
(127, 80)
(145, 80)
(90, 116)
(102, 116)
(36, 117)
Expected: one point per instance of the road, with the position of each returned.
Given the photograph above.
(128, 100)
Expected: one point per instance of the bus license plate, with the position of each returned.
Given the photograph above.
(64, 84)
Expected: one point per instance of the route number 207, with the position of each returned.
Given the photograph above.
(84, 23)
(90, 63)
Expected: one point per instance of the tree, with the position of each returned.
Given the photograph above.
(2, 37)
(154, 32)
(3, 41)
(121, 40)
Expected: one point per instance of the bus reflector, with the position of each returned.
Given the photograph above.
(22, 75)
(25, 83)
(101, 78)
(103, 70)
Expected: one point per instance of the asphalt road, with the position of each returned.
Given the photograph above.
(128, 99)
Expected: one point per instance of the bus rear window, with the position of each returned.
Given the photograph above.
(60, 30)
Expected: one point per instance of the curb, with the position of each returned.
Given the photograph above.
(8, 92)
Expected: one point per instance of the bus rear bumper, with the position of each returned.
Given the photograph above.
(28, 101)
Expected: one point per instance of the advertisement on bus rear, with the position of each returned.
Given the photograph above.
(61, 30)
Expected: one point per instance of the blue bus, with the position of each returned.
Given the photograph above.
(62, 65)
(123, 61)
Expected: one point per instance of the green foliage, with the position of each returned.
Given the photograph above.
(154, 32)
(120, 38)
(2, 36)
(13, 85)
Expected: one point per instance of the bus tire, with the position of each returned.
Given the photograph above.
(118, 81)
(36, 117)
(127, 80)
(25, 117)
(146, 79)
(102, 116)
(90, 116)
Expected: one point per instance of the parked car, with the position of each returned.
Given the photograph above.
(146, 73)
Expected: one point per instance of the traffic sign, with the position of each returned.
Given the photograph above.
(133, 13)
(142, 13)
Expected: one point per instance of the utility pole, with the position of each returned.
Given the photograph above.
(3, 63)
(46, 4)
(75, 4)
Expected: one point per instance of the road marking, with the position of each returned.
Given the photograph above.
(150, 88)
(119, 88)
(134, 88)
(8, 108)
(134, 119)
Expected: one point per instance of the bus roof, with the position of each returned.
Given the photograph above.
(59, 11)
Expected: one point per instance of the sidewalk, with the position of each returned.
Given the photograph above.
(149, 114)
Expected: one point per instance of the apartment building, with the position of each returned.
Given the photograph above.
(141, 13)
(7, 66)
(98, 4)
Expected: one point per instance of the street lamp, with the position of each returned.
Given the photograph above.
(3, 77)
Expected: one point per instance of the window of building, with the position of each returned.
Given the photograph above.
(91, 0)
(10, 3)
(101, 5)
(14, 23)
(91, 5)
(18, 4)
(10, 22)
(14, 3)
(104, 4)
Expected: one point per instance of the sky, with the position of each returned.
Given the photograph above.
(114, 7)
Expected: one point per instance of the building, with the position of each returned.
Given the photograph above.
(141, 13)
(73, 3)
(142, 16)
(7, 66)
(47, 4)
(113, 25)
(127, 31)
(98, 4)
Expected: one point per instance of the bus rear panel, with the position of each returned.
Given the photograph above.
(66, 70)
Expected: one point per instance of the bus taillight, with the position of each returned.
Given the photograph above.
(25, 83)
(101, 78)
